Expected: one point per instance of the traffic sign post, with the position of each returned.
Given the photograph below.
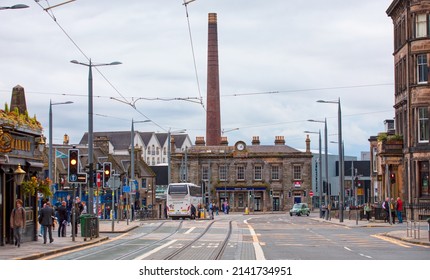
(114, 182)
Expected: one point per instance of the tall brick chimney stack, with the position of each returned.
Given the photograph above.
(213, 114)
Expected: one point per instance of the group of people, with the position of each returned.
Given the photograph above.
(48, 217)
(393, 208)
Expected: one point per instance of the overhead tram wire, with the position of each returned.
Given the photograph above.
(309, 89)
(125, 101)
(193, 53)
(50, 12)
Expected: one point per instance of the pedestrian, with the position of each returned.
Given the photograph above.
(399, 209)
(393, 210)
(17, 221)
(62, 219)
(193, 212)
(227, 208)
(216, 209)
(386, 207)
(84, 209)
(78, 210)
(45, 219)
(69, 209)
(367, 210)
(211, 210)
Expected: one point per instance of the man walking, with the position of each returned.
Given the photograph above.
(399, 209)
(62, 219)
(17, 221)
(45, 220)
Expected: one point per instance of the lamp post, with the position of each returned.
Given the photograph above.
(341, 162)
(90, 65)
(320, 189)
(328, 194)
(169, 135)
(50, 139)
(14, 7)
(132, 157)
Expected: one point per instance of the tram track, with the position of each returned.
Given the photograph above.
(214, 255)
(129, 241)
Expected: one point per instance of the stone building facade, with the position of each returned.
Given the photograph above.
(260, 177)
(412, 96)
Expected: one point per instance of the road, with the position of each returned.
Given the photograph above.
(253, 237)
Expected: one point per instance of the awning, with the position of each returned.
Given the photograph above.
(35, 164)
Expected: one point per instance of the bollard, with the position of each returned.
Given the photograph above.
(246, 211)
(428, 221)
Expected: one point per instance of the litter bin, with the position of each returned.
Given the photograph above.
(89, 226)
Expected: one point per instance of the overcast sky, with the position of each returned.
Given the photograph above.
(277, 58)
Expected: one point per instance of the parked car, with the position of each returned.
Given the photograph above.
(300, 209)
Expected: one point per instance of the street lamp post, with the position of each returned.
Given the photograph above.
(328, 194)
(90, 65)
(341, 161)
(50, 175)
(320, 184)
(132, 157)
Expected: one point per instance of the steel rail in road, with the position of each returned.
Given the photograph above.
(218, 254)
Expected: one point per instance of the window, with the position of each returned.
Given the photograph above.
(183, 172)
(424, 177)
(258, 170)
(223, 173)
(423, 125)
(420, 25)
(297, 172)
(240, 176)
(275, 172)
(375, 159)
(205, 172)
(422, 69)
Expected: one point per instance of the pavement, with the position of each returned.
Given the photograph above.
(36, 249)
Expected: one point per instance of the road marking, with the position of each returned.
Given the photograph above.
(346, 248)
(190, 230)
(259, 254)
(366, 256)
(141, 257)
(397, 242)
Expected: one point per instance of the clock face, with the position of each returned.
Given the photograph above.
(240, 146)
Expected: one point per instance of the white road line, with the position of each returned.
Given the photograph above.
(190, 230)
(141, 257)
(259, 254)
(346, 248)
(366, 256)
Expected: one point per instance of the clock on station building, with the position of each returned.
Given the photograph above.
(240, 145)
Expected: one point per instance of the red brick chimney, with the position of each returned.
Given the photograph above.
(213, 114)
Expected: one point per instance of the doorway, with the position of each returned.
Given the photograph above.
(276, 203)
(257, 204)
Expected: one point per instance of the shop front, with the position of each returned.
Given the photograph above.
(255, 199)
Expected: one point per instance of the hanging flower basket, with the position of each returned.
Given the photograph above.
(35, 185)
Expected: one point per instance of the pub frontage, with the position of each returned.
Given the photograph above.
(21, 158)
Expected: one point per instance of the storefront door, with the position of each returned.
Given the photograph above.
(275, 204)
(257, 204)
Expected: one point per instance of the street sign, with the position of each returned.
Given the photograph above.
(114, 182)
(80, 178)
(311, 193)
(126, 189)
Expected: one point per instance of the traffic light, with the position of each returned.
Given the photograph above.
(107, 167)
(393, 178)
(73, 168)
